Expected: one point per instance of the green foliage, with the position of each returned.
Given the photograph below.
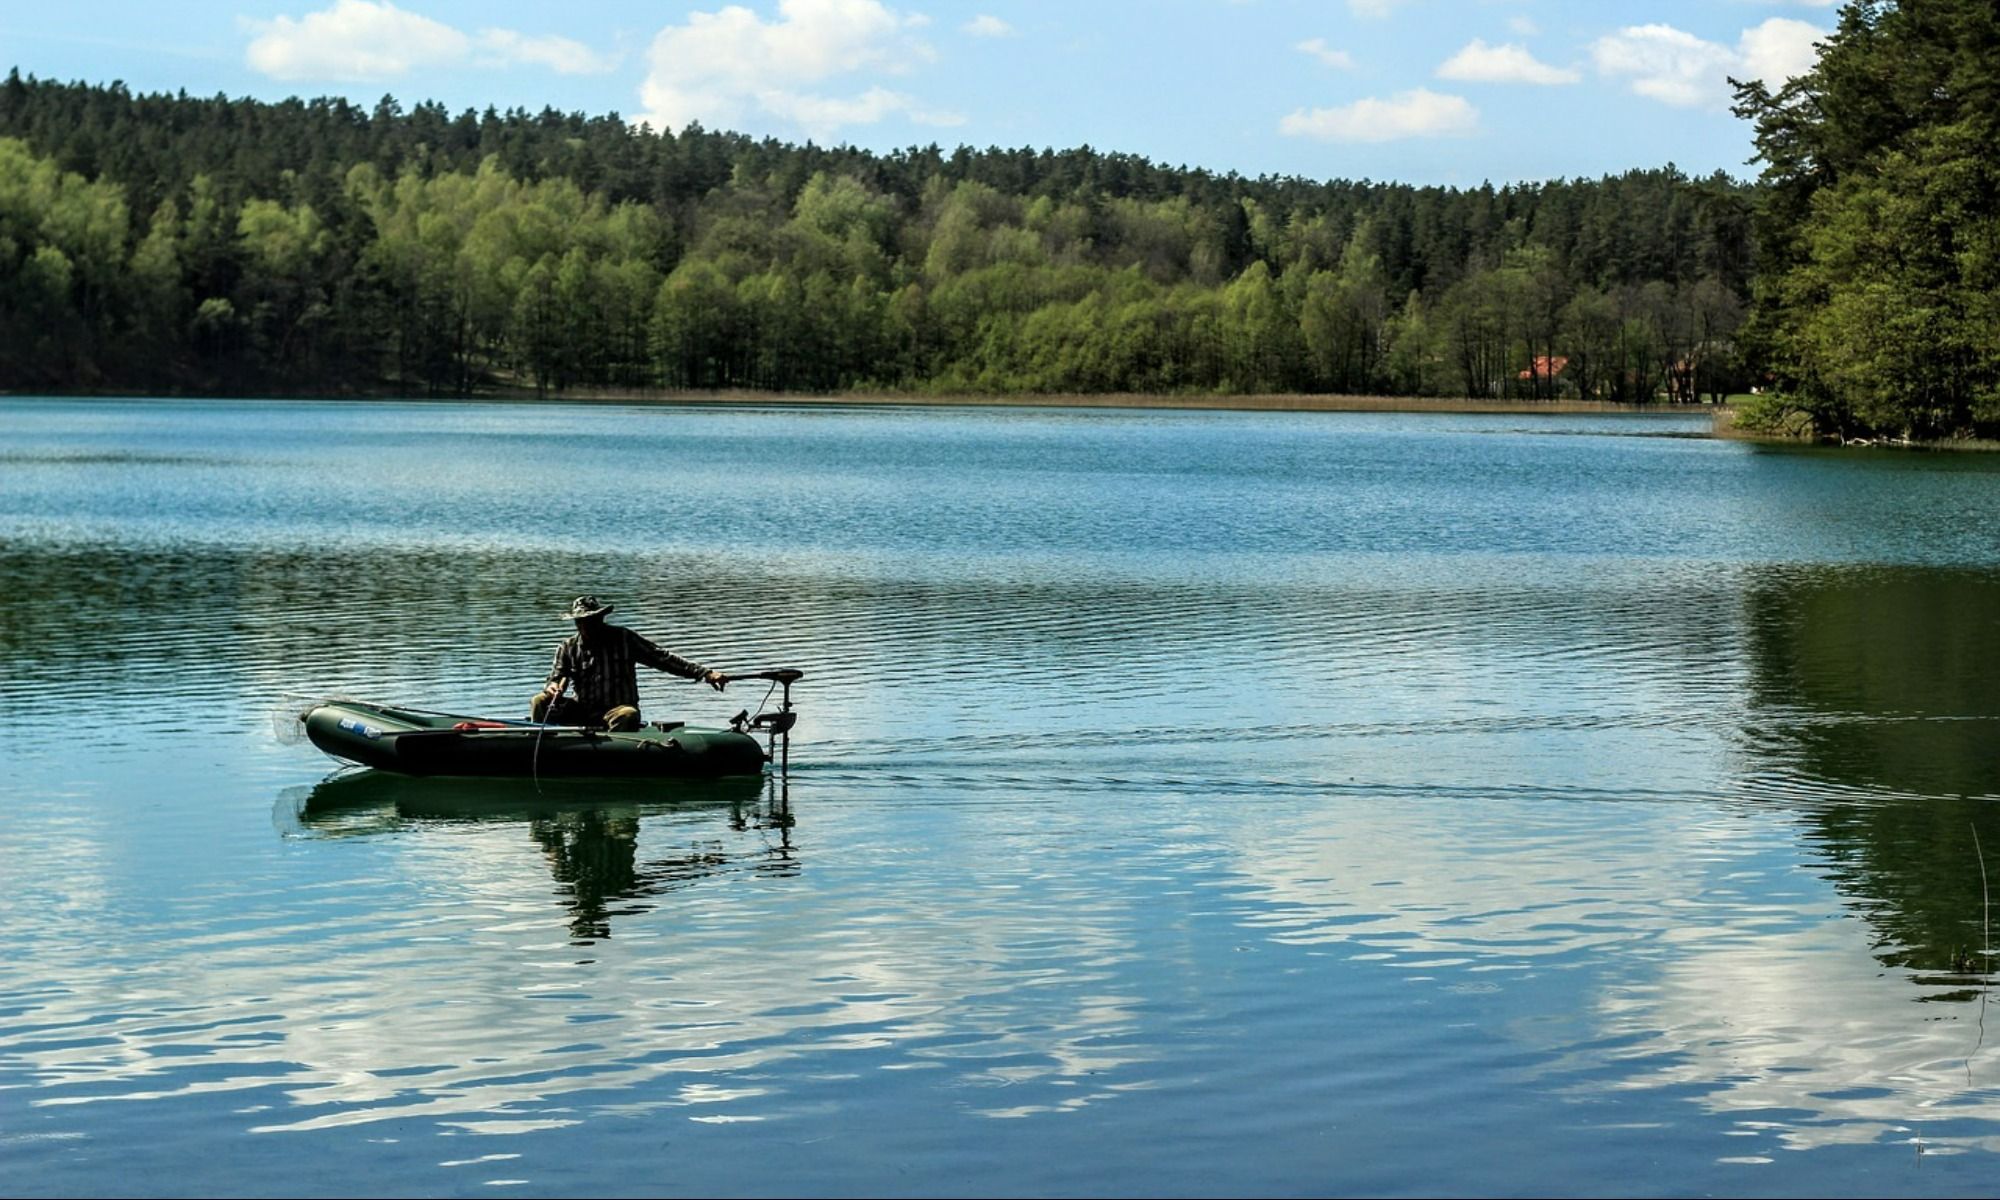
(1879, 302)
(1774, 414)
(314, 246)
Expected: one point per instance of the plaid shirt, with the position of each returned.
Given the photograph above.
(600, 671)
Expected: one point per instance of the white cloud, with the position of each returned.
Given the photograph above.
(831, 112)
(362, 40)
(1481, 63)
(1664, 63)
(352, 41)
(1416, 113)
(1374, 9)
(1676, 67)
(1318, 48)
(984, 25)
(1778, 50)
(723, 66)
(1525, 26)
(559, 54)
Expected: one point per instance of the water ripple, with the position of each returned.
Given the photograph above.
(1230, 803)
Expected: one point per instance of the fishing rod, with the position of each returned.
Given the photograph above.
(541, 727)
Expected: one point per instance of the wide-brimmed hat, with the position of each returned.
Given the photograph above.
(584, 607)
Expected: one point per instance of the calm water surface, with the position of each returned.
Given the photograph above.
(1193, 803)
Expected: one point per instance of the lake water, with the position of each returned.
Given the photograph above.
(1183, 802)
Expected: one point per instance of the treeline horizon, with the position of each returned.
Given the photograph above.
(178, 244)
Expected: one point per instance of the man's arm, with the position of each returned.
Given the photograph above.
(673, 664)
(559, 671)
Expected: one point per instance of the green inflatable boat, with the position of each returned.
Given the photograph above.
(416, 742)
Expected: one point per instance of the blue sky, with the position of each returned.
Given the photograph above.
(1425, 91)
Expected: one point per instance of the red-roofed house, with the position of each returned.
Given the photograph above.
(1544, 366)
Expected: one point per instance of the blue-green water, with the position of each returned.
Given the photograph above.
(1186, 803)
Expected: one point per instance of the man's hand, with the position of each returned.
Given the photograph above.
(716, 680)
(557, 688)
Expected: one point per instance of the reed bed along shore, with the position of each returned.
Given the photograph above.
(1273, 402)
(1259, 402)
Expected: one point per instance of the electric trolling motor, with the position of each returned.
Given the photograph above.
(776, 726)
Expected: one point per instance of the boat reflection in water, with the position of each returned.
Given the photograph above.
(587, 830)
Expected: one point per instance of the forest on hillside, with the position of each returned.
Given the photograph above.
(184, 244)
(181, 244)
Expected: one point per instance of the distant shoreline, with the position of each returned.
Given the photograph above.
(1724, 426)
(1275, 402)
(1722, 417)
(1271, 402)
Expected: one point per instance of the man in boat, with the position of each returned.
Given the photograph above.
(594, 681)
